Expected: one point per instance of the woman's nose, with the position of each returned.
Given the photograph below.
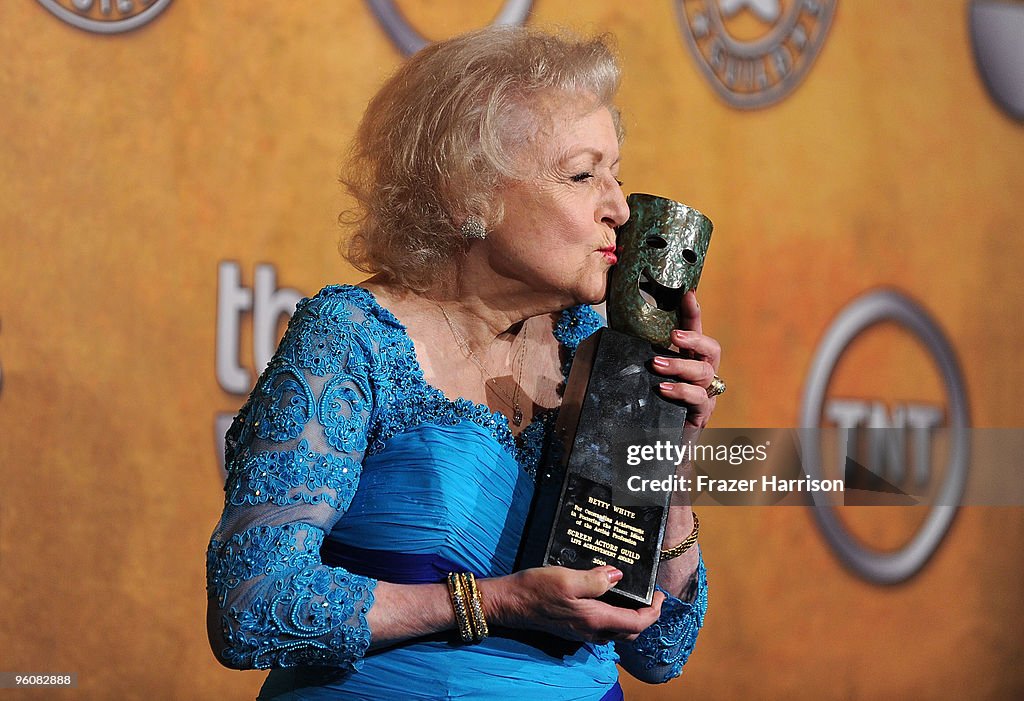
(617, 211)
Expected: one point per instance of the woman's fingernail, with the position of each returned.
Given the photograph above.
(678, 334)
(614, 576)
(661, 362)
(667, 386)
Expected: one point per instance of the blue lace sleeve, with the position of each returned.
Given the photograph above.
(293, 459)
(659, 653)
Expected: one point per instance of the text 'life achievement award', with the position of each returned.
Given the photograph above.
(584, 513)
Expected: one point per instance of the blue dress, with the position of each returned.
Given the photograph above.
(345, 467)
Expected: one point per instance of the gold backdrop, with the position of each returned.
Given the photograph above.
(134, 166)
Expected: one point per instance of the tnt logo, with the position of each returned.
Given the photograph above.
(896, 439)
(885, 408)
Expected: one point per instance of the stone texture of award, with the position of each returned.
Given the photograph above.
(587, 510)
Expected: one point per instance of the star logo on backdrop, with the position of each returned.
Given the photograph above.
(754, 52)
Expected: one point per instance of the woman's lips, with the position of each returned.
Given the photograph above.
(610, 254)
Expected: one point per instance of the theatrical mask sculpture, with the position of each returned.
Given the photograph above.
(661, 253)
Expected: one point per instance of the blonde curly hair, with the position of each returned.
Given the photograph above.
(442, 135)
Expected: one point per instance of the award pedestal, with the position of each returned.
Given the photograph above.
(584, 512)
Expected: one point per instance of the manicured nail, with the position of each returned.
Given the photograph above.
(660, 362)
(614, 576)
(678, 334)
(667, 386)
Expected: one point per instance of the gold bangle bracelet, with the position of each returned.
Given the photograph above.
(457, 594)
(476, 608)
(685, 545)
(468, 607)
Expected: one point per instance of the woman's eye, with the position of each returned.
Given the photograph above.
(580, 177)
(619, 182)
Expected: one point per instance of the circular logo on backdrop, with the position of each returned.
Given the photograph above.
(997, 35)
(106, 16)
(754, 52)
(408, 39)
(900, 444)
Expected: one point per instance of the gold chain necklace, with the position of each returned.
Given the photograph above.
(513, 399)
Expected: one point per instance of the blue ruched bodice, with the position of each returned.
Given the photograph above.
(446, 490)
(346, 467)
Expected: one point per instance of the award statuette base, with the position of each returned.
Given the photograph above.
(585, 513)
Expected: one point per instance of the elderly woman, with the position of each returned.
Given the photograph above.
(395, 436)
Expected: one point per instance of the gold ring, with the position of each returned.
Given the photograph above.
(716, 387)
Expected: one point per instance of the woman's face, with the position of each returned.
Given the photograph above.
(558, 232)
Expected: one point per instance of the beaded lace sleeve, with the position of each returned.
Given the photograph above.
(293, 459)
(659, 653)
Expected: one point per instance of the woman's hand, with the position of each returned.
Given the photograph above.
(694, 373)
(563, 602)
